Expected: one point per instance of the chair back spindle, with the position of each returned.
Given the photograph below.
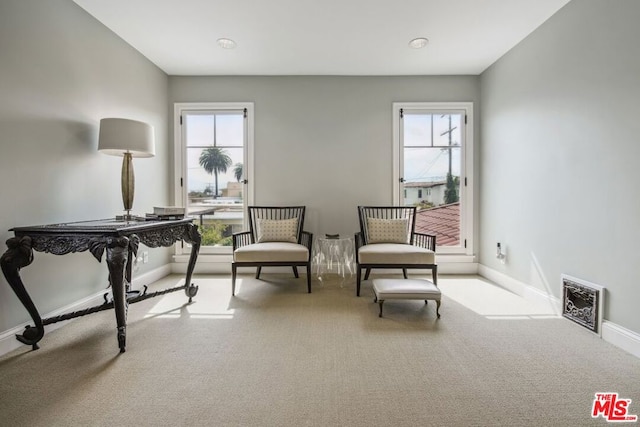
(387, 212)
(275, 213)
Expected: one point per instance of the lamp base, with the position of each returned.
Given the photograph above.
(128, 182)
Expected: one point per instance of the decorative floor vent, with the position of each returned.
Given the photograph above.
(582, 302)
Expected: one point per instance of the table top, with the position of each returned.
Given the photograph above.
(100, 226)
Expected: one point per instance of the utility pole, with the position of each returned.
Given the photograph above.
(451, 192)
(450, 132)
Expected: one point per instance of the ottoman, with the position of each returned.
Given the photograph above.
(406, 289)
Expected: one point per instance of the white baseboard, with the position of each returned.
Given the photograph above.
(8, 341)
(151, 276)
(621, 337)
(221, 264)
(520, 288)
(612, 333)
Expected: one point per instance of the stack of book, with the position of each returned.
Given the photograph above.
(166, 213)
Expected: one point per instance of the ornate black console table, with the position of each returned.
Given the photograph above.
(120, 240)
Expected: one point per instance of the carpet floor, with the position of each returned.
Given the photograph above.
(274, 355)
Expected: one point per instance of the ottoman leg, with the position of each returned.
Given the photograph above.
(380, 302)
(438, 308)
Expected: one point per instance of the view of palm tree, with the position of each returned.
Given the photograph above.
(214, 161)
(237, 171)
(214, 146)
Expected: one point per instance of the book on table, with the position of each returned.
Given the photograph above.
(151, 217)
(169, 210)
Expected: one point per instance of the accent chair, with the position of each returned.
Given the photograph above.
(275, 238)
(387, 239)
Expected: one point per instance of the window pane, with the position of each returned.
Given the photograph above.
(201, 181)
(214, 161)
(417, 130)
(446, 129)
(229, 129)
(431, 164)
(199, 130)
(432, 183)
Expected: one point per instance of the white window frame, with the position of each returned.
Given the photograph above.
(180, 166)
(466, 181)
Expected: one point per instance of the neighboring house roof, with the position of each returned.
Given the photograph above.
(424, 184)
(443, 221)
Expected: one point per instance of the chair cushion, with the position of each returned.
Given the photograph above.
(277, 230)
(395, 253)
(272, 252)
(405, 289)
(381, 230)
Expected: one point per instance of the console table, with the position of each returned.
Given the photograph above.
(119, 239)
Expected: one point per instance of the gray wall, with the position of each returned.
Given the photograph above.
(324, 141)
(560, 153)
(61, 72)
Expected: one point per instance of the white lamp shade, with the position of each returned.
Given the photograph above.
(119, 136)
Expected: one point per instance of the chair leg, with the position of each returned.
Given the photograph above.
(233, 279)
(295, 271)
(258, 270)
(434, 275)
(380, 302)
(358, 275)
(309, 278)
(404, 273)
(366, 274)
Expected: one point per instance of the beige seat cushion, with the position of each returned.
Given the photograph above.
(405, 289)
(395, 253)
(272, 252)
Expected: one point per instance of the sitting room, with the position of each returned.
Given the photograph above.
(504, 131)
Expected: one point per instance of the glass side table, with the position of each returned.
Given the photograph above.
(333, 256)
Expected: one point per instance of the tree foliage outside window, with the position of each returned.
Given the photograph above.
(238, 171)
(215, 160)
(451, 194)
(215, 233)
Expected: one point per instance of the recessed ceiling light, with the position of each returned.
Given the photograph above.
(226, 43)
(418, 43)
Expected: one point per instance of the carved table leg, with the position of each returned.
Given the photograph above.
(195, 239)
(117, 254)
(19, 254)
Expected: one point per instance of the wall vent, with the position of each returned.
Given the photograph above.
(583, 302)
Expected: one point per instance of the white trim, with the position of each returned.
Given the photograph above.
(520, 288)
(466, 191)
(623, 338)
(612, 333)
(8, 340)
(180, 108)
(221, 264)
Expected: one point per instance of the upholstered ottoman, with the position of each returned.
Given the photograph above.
(406, 289)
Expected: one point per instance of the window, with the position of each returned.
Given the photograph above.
(433, 157)
(213, 163)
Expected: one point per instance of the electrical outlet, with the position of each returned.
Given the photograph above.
(145, 257)
(501, 253)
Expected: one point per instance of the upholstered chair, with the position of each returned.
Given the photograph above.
(275, 238)
(387, 239)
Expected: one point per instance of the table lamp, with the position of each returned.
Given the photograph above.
(127, 138)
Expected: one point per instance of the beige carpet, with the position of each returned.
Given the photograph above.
(277, 356)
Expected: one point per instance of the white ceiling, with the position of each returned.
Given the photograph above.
(322, 37)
